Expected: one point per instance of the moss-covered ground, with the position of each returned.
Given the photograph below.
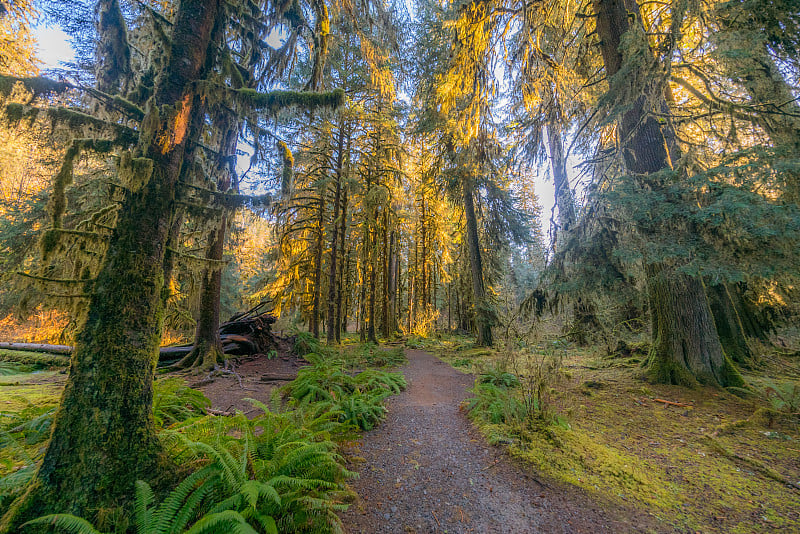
(706, 461)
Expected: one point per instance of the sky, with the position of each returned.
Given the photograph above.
(53, 46)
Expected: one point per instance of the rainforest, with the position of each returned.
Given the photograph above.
(418, 266)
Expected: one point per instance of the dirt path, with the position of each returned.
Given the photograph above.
(427, 470)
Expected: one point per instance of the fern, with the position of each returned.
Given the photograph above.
(13, 368)
(783, 396)
(226, 521)
(499, 378)
(495, 404)
(174, 401)
(64, 522)
(363, 410)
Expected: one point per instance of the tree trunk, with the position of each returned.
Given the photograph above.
(332, 323)
(482, 312)
(103, 437)
(341, 300)
(754, 324)
(563, 193)
(686, 347)
(208, 349)
(373, 272)
(386, 285)
(391, 286)
(315, 305)
(678, 358)
(729, 324)
(362, 304)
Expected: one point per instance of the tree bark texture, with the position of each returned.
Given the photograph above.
(482, 317)
(729, 324)
(679, 354)
(332, 285)
(103, 437)
(315, 305)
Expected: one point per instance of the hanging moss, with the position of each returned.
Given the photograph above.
(274, 101)
(38, 86)
(74, 120)
(232, 201)
(288, 164)
(128, 107)
(58, 200)
(134, 173)
(14, 113)
(112, 52)
(49, 243)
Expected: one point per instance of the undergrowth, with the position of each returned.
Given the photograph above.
(707, 462)
(278, 472)
(356, 356)
(356, 399)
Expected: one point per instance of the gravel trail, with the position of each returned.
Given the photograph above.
(427, 470)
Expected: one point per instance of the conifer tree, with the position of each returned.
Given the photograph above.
(103, 434)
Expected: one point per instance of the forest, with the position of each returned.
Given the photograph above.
(422, 266)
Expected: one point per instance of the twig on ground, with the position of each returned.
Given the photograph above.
(492, 464)
(230, 369)
(221, 413)
(671, 403)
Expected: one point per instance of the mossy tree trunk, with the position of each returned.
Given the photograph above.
(103, 436)
(755, 324)
(482, 317)
(686, 347)
(207, 351)
(333, 324)
(391, 286)
(729, 324)
(343, 286)
(372, 254)
(318, 250)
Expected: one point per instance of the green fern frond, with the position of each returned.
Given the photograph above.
(141, 507)
(64, 522)
(227, 521)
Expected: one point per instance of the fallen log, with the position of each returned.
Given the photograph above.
(277, 378)
(243, 334)
(36, 347)
(35, 358)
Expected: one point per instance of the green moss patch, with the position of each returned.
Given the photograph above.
(705, 460)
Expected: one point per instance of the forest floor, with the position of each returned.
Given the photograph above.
(616, 458)
(426, 469)
(704, 461)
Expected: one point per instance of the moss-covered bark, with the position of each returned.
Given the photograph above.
(112, 53)
(686, 347)
(207, 351)
(103, 436)
(729, 324)
(483, 317)
(335, 250)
